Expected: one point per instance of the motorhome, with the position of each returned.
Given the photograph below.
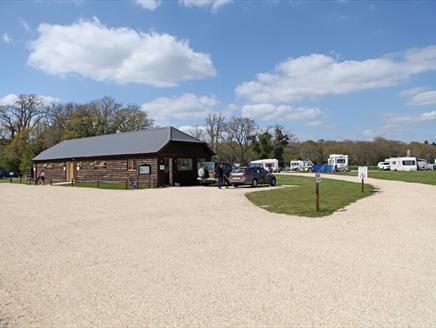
(339, 162)
(266, 163)
(295, 165)
(302, 166)
(403, 164)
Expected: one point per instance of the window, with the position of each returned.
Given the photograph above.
(131, 164)
(341, 161)
(184, 164)
(409, 163)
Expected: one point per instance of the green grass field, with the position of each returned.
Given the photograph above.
(299, 199)
(426, 177)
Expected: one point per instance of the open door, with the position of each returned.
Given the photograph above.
(71, 171)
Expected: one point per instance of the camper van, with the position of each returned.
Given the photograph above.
(403, 164)
(266, 163)
(339, 162)
(295, 165)
(302, 166)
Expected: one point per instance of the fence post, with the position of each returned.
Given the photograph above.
(126, 184)
(20, 180)
(72, 182)
(10, 180)
(98, 183)
(51, 182)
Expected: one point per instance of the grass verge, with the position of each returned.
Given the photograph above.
(425, 177)
(300, 198)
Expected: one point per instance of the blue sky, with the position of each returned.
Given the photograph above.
(328, 69)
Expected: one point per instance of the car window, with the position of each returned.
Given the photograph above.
(240, 170)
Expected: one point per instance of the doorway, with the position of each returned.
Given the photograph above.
(168, 171)
(71, 171)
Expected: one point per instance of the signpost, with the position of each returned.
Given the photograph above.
(362, 173)
(317, 181)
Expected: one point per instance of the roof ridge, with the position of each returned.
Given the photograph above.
(112, 134)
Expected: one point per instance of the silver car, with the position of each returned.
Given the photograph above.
(250, 176)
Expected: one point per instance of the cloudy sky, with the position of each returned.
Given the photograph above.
(331, 70)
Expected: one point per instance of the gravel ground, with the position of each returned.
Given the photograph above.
(77, 257)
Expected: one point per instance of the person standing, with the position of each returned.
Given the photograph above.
(219, 173)
(42, 177)
(270, 175)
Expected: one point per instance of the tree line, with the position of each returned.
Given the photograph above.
(241, 140)
(30, 126)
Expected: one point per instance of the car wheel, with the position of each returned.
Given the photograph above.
(235, 185)
(254, 183)
(273, 182)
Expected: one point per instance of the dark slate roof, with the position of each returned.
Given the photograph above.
(128, 143)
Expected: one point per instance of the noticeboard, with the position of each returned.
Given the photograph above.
(144, 169)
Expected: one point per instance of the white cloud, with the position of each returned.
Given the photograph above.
(186, 107)
(313, 124)
(414, 118)
(24, 25)
(6, 38)
(412, 91)
(148, 4)
(213, 5)
(123, 55)
(271, 112)
(319, 75)
(423, 98)
(11, 98)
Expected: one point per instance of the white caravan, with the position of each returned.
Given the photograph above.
(403, 164)
(266, 163)
(339, 162)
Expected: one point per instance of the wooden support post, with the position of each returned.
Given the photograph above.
(317, 196)
(363, 185)
(51, 182)
(20, 180)
(10, 180)
(126, 184)
(72, 182)
(98, 183)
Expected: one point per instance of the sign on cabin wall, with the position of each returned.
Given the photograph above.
(144, 169)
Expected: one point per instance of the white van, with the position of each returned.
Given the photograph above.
(403, 164)
(266, 163)
(339, 162)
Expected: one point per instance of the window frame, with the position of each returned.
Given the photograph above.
(134, 162)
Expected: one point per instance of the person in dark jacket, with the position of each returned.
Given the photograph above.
(270, 175)
(219, 173)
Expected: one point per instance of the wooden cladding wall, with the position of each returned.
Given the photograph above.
(104, 170)
(53, 170)
(112, 169)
